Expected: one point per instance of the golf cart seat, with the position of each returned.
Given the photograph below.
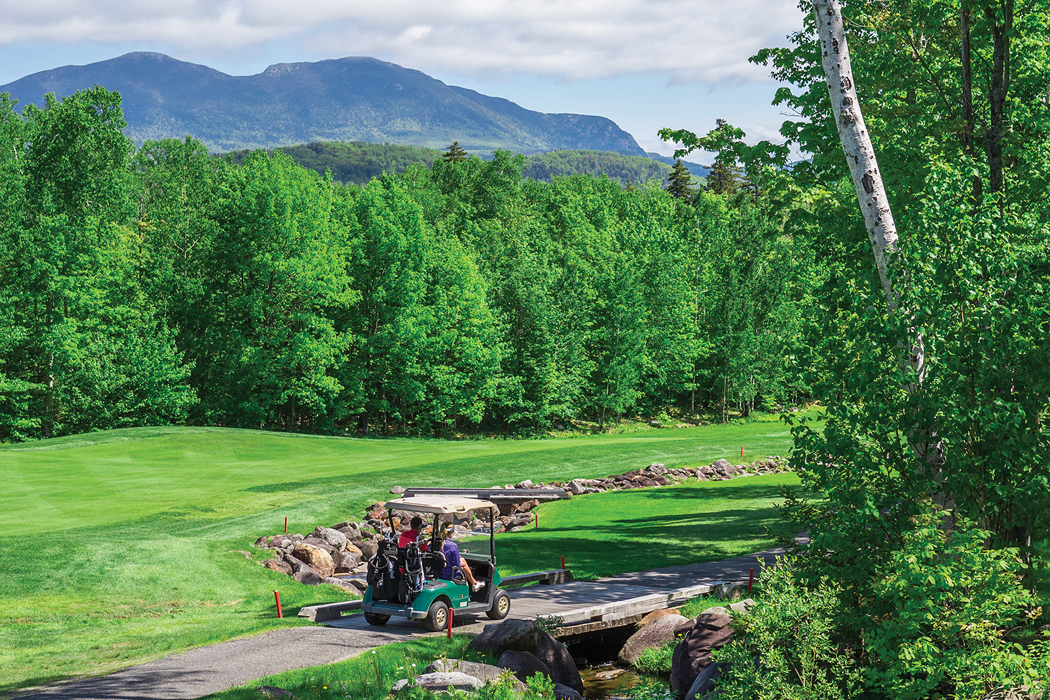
(433, 564)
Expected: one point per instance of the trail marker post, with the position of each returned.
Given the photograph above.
(286, 524)
(277, 597)
(562, 561)
(451, 613)
(537, 520)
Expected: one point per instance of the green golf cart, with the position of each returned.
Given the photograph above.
(406, 581)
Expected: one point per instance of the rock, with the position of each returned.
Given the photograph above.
(347, 562)
(523, 664)
(742, 607)
(657, 614)
(341, 583)
(278, 566)
(655, 634)
(357, 583)
(263, 542)
(516, 635)
(440, 682)
(308, 576)
(557, 658)
(368, 548)
(527, 484)
(576, 488)
(273, 692)
(730, 590)
(655, 424)
(483, 672)
(716, 610)
(662, 480)
(352, 532)
(314, 541)
(721, 465)
(334, 538)
(397, 490)
(609, 675)
(693, 654)
(563, 692)
(318, 559)
(702, 687)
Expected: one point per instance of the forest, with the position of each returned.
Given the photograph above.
(358, 162)
(160, 285)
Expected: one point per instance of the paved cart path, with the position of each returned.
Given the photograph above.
(214, 668)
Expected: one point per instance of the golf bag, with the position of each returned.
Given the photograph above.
(383, 572)
(413, 566)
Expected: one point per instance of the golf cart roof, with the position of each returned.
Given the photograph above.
(438, 504)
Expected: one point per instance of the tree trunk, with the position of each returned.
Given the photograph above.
(1001, 28)
(874, 204)
(967, 96)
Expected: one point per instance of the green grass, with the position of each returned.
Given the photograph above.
(119, 546)
(618, 531)
(365, 677)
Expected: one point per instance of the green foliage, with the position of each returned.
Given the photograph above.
(786, 646)
(454, 153)
(945, 608)
(678, 181)
(656, 661)
(355, 162)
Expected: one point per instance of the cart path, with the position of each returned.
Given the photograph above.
(217, 667)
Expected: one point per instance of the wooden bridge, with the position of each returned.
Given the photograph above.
(586, 606)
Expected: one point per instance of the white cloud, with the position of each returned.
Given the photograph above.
(705, 41)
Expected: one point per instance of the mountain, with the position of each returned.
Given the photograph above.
(345, 99)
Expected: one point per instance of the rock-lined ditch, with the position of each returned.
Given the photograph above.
(338, 555)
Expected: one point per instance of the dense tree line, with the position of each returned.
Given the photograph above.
(161, 284)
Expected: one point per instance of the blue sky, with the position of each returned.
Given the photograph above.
(645, 64)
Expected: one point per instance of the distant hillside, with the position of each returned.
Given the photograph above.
(358, 162)
(346, 99)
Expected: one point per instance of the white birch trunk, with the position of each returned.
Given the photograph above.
(871, 194)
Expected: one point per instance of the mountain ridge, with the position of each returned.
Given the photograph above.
(356, 98)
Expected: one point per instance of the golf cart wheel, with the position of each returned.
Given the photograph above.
(500, 606)
(376, 619)
(437, 617)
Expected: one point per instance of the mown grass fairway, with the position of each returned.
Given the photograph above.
(609, 533)
(120, 546)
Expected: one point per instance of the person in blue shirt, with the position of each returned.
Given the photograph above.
(453, 559)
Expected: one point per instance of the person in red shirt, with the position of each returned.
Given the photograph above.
(412, 534)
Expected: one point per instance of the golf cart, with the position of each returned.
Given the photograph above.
(405, 581)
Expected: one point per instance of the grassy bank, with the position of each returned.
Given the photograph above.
(121, 546)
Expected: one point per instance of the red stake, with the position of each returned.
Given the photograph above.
(563, 561)
(451, 612)
(537, 519)
(277, 597)
(286, 524)
(741, 452)
(750, 581)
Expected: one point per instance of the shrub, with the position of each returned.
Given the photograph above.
(656, 660)
(947, 603)
(784, 647)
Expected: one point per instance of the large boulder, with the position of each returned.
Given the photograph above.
(564, 692)
(347, 562)
(439, 682)
(557, 658)
(516, 635)
(693, 653)
(655, 634)
(702, 688)
(333, 538)
(657, 614)
(345, 585)
(523, 664)
(279, 566)
(483, 672)
(316, 558)
(368, 548)
(308, 576)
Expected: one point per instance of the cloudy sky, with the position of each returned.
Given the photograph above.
(645, 64)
